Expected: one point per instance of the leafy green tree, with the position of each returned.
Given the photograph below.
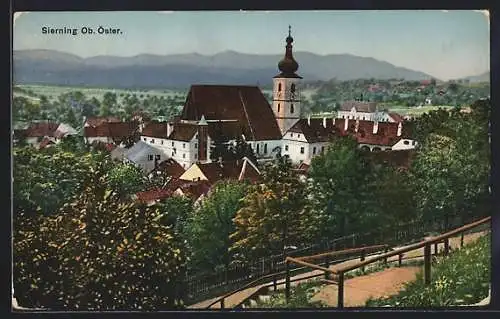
(272, 214)
(109, 104)
(209, 227)
(98, 254)
(125, 179)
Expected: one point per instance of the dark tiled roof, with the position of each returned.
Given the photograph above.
(246, 104)
(183, 132)
(155, 129)
(42, 129)
(111, 129)
(195, 189)
(314, 131)
(171, 168)
(366, 107)
(153, 195)
(385, 136)
(96, 121)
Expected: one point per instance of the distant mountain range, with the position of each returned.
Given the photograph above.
(484, 77)
(182, 70)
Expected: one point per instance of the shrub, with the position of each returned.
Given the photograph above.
(461, 278)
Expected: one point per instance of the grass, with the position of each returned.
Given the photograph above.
(300, 297)
(461, 278)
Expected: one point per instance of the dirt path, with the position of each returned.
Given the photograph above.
(376, 285)
(363, 286)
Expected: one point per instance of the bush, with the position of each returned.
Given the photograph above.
(300, 297)
(458, 279)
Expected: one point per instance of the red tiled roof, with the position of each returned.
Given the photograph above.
(96, 121)
(396, 117)
(111, 129)
(41, 129)
(155, 129)
(45, 142)
(153, 195)
(314, 131)
(246, 104)
(194, 189)
(183, 132)
(171, 168)
(385, 136)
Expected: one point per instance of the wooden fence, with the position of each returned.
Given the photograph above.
(202, 286)
(339, 274)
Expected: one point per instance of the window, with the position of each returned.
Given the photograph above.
(152, 141)
(292, 88)
(322, 149)
(278, 107)
(413, 143)
(406, 142)
(291, 134)
(298, 135)
(184, 165)
(302, 150)
(150, 157)
(291, 108)
(172, 153)
(195, 145)
(314, 150)
(279, 87)
(195, 156)
(184, 155)
(172, 144)
(161, 142)
(265, 148)
(286, 147)
(157, 157)
(183, 145)
(257, 148)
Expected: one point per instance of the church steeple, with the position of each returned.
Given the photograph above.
(288, 66)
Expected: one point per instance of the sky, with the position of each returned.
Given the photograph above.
(445, 44)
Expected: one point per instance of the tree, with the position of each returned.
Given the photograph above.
(272, 214)
(209, 227)
(109, 104)
(98, 254)
(337, 190)
(125, 179)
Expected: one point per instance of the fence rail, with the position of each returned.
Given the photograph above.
(204, 286)
(426, 244)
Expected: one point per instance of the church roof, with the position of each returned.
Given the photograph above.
(246, 104)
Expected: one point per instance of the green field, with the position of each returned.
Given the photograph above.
(417, 110)
(52, 92)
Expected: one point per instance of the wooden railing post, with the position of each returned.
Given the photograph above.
(386, 249)
(427, 264)
(287, 282)
(222, 303)
(327, 261)
(436, 248)
(362, 259)
(446, 246)
(400, 260)
(340, 297)
(462, 240)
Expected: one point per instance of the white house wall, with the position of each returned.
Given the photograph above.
(404, 144)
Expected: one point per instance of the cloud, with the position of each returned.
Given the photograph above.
(16, 16)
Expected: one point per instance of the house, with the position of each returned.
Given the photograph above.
(358, 110)
(215, 171)
(48, 131)
(110, 132)
(144, 156)
(170, 167)
(96, 121)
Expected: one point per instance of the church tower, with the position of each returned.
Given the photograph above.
(286, 94)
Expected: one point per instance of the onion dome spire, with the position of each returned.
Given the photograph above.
(288, 66)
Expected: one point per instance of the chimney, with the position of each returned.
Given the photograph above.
(324, 122)
(400, 128)
(375, 127)
(309, 120)
(220, 161)
(333, 121)
(356, 127)
(346, 124)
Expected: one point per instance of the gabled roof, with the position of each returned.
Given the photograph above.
(246, 104)
(195, 189)
(111, 129)
(360, 106)
(45, 142)
(386, 134)
(41, 129)
(313, 130)
(183, 132)
(171, 167)
(96, 121)
(155, 129)
(396, 117)
(242, 169)
(140, 151)
(153, 195)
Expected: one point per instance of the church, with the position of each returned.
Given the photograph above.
(228, 112)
